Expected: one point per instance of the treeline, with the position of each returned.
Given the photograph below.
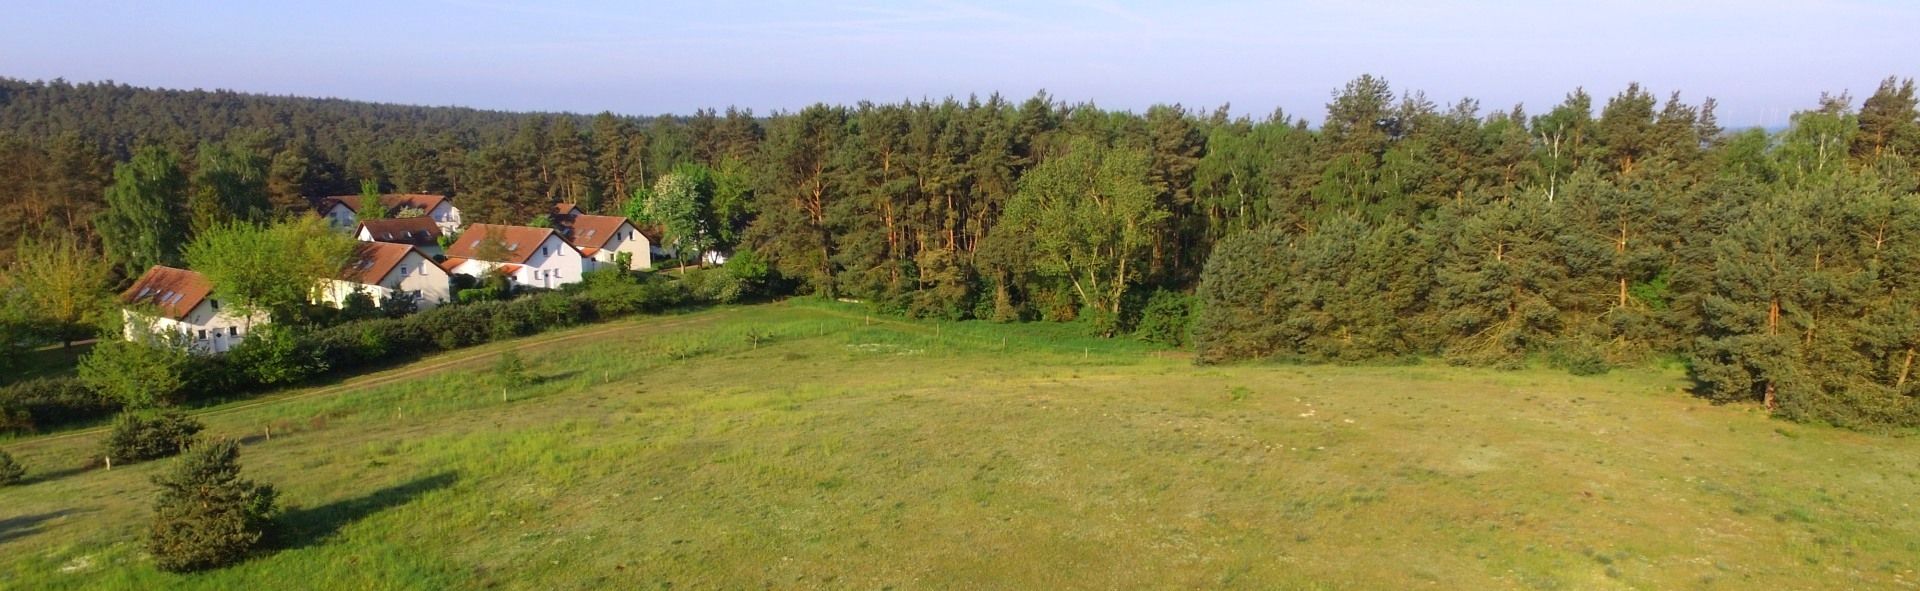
(1781, 267)
(1599, 232)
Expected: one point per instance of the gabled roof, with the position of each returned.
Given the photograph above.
(565, 209)
(520, 242)
(448, 264)
(175, 292)
(371, 261)
(593, 231)
(394, 202)
(418, 231)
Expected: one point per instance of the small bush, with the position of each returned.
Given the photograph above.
(276, 354)
(206, 515)
(510, 371)
(138, 374)
(10, 470)
(139, 437)
(1165, 318)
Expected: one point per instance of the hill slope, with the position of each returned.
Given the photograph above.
(851, 453)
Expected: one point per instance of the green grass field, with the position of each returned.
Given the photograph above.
(849, 453)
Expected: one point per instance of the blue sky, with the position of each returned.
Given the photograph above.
(1761, 58)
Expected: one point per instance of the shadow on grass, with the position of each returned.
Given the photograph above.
(52, 475)
(311, 526)
(13, 528)
(545, 379)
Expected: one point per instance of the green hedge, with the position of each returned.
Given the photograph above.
(49, 403)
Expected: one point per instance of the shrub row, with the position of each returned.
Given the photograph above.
(50, 403)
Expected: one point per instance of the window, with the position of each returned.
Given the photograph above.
(216, 304)
(203, 334)
(403, 270)
(233, 331)
(544, 251)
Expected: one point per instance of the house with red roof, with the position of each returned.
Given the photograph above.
(530, 257)
(342, 211)
(166, 300)
(380, 269)
(602, 238)
(419, 232)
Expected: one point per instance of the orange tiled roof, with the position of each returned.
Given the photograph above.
(520, 241)
(373, 260)
(174, 291)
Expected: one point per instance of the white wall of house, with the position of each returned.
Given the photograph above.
(556, 263)
(553, 264)
(446, 216)
(340, 217)
(711, 257)
(206, 329)
(628, 240)
(415, 273)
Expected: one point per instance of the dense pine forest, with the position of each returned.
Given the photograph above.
(1609, 229)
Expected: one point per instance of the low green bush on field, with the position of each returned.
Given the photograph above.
(138, 437)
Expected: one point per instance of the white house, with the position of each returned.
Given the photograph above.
(419, 232)
(661, 250)
(380, 268)
(530, 257)
(601, 238)
(169, 300)
(342, 211)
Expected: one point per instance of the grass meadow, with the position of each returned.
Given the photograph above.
(810, 446)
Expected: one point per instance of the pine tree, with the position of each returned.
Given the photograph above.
(1889, 122)
(1626, 129)
(10, 471)
(1500, 280)
(207, 516)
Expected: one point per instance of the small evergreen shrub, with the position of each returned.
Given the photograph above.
(10, 470)
(137, 437)
(207, 516)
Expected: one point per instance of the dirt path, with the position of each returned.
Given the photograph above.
(429, 366)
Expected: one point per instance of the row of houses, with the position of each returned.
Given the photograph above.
(403, 256)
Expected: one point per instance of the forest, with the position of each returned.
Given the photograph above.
(1611, 230)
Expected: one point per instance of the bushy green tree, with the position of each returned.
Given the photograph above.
(207, 516)
(370, 207)
(64, 285)
(145, 372)
(681, 202)
(276, 269)
(143, 223)
(1092, 218)
(229, 184)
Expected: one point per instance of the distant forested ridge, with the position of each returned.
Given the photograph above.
(1598, 232)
